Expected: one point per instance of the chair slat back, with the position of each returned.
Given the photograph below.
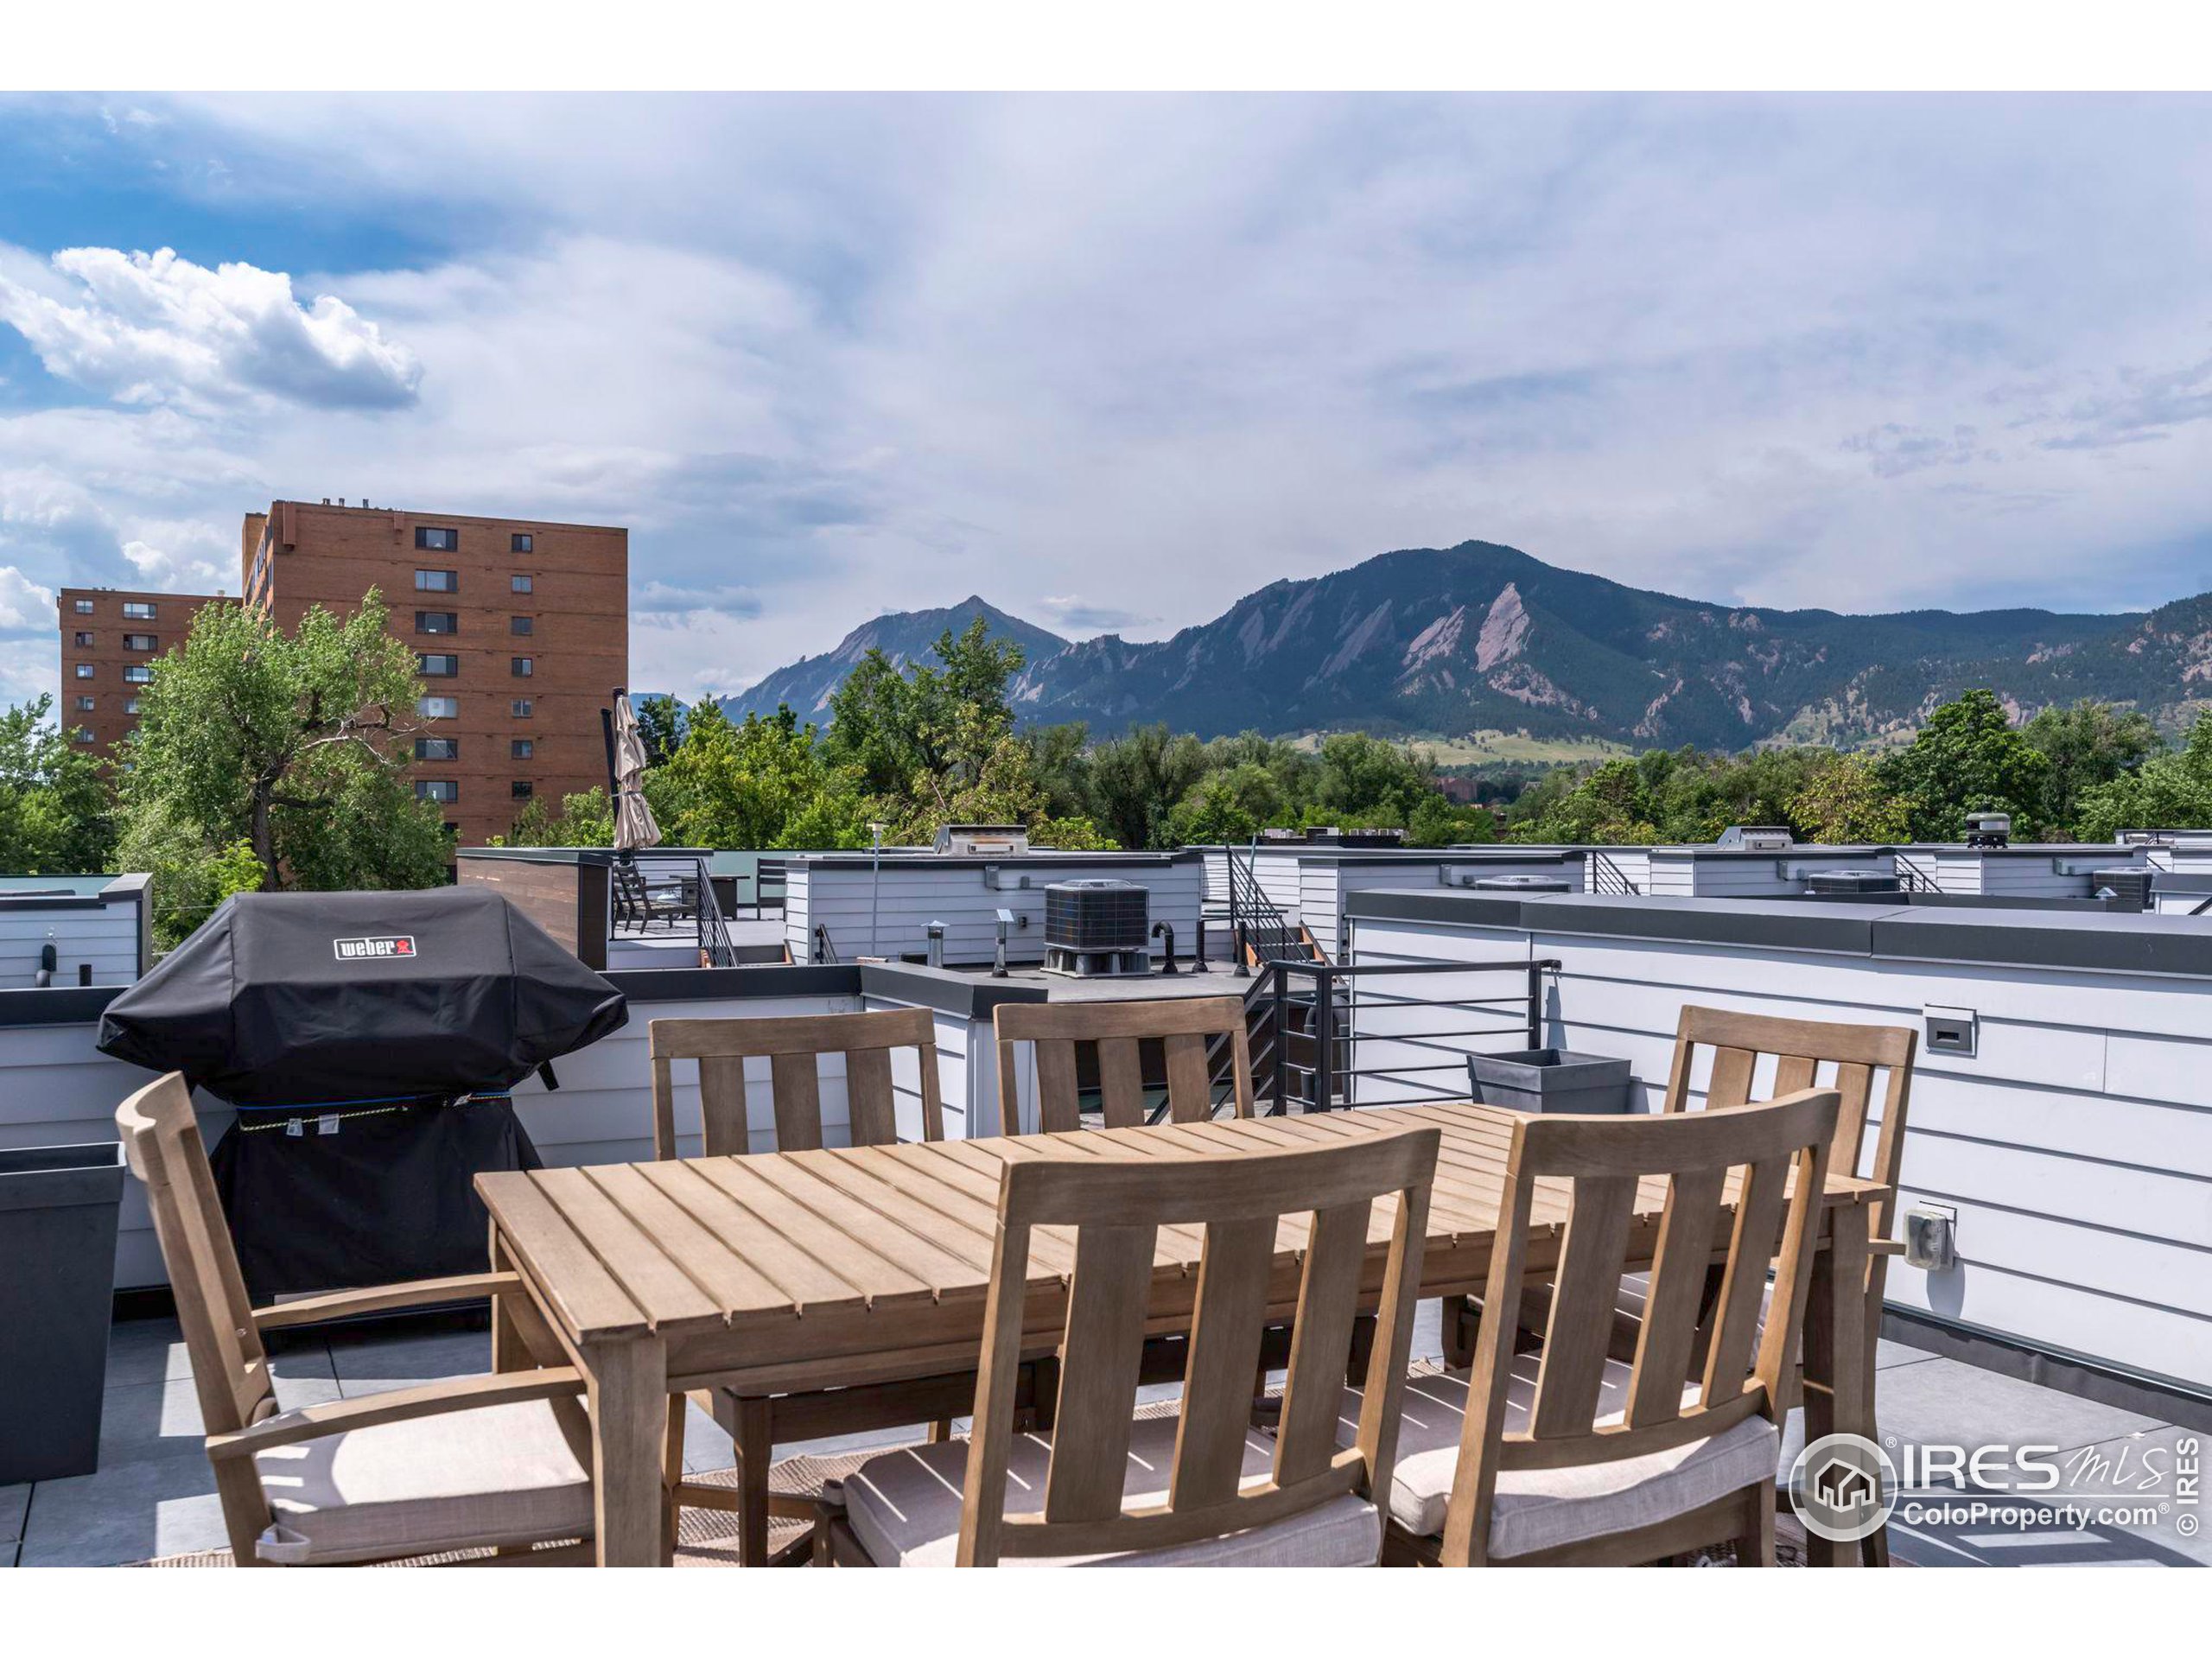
(1116, 1208)
(1779, 1150)
(230, 1367)
(1184, 1027)
(793, 1046)
(1854, 1058)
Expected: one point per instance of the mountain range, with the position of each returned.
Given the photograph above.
(1444, 642)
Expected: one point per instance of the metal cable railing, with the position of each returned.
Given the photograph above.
(1317, 1063)
(1607, 877)
(1256, 926)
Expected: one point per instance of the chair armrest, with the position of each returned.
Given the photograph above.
(415, 1293)
(430, 1400)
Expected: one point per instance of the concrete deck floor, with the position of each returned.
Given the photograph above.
(153, 1494)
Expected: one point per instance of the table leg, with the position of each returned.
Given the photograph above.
(509, 1351)
(1838, 1392)
(629, 1428)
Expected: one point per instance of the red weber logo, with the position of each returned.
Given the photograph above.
(379, 948)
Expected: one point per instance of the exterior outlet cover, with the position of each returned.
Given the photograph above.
(1931, 1239)
(1952, 1031)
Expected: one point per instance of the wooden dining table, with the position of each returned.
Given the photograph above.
(803, 1270)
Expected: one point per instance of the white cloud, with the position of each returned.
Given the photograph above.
(153, 328)
(1860, 352)
(25, 608)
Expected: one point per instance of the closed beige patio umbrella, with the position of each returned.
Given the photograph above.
(634, 828)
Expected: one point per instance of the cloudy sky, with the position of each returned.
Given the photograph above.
(1114, 362)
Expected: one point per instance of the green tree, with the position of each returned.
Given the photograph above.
(55, 811)
(1437, 821)
(2170, 791)
(660, 726)
(292, 744)
(2088, 745)
(1233, 804)
(583, 819)
(1364, 781)
(1138, 779)
(1844, 803)
(1967, 758)
(760, 784)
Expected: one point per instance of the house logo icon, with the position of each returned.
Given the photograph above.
(1843, 1487)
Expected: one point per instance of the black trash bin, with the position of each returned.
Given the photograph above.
(57, 1288)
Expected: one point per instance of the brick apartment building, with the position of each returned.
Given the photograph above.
(520, 629)
(109, 641)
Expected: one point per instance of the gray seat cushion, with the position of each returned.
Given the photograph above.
(1538, 1510)
(463, 1480)
(904, 1508)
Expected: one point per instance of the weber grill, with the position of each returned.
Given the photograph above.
(1098, 929)
(369, 1041)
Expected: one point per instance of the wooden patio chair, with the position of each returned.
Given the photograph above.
(1184, 1027)
(1201, 1488)
(1851, 1060)
(792, 1047)
(1854, 1060)
(1569, 1457)
(496, 1463)
(1115, 1032)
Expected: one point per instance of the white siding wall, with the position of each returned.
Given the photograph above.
(2062, 873)
(1280, 875)
(2076, 1144)
(1692, 873)
(1324, 883)
(105, 936)
(914, 893)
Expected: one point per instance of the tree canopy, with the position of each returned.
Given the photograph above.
(288, 745)
(55, 813)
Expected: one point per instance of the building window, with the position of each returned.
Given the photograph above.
(137, 610)
(521, 624)
(437, 581)
(521, 748)
(437, 748)
(436, 789)
(522, 667)
(437, 622)
(139, 674)
(130, 705)
(85, 671)
(520, 790)
(522, 708)
(437, 665)
(82, 735)
(437, 707)
(518, 542)
(142, 642)
(85, 705)
(437, 540)
(83, 607)
(84, 640)
(520, 584)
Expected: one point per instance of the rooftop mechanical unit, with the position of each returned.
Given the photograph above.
(1989, 829)
(1756, 838)
(1523, 884)
(2131, 887)
(988, 840)
(1852, 881)
(1098, 929)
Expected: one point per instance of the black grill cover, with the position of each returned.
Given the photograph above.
(308, 999)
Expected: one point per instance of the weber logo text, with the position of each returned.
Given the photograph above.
(379, 947)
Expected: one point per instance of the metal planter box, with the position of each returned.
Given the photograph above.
(1550, 1080)
(57, 1289)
